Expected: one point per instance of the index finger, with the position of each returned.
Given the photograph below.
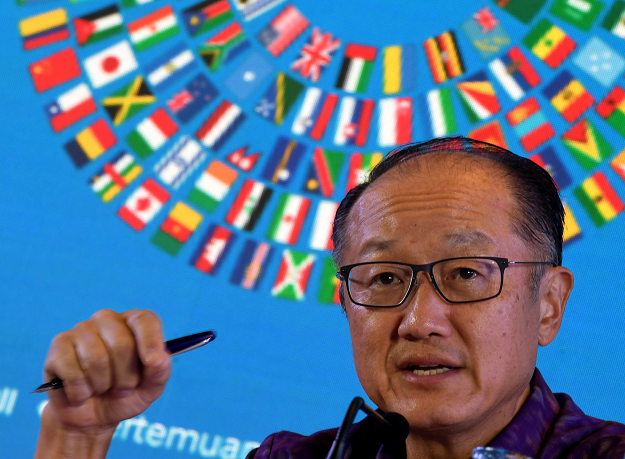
(148, 332)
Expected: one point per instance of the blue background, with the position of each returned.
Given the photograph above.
(277, 364)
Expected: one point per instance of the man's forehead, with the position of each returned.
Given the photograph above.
(456, 239)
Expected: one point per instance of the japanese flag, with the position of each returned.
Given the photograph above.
(110, 64)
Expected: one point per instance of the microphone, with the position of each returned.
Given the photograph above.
(393, 428)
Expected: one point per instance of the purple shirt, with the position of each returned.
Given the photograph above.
(548, 426)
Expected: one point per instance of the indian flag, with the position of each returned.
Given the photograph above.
(288, 220)
(599, 199)
(213, 185)
(153, 28)
(152, 133)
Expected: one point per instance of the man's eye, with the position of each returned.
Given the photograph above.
(386, 278)
(464, 274)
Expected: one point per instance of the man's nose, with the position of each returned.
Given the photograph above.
(425, 312)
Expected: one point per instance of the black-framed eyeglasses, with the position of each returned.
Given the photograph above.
(387, 284)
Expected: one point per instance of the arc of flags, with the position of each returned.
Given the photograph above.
(476, 94)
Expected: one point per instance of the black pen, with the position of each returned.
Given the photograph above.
(174, 347)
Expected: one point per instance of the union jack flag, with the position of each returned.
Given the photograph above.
(486, 20)
(179, 101)
(316, 53)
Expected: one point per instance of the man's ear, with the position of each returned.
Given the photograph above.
(555, 289)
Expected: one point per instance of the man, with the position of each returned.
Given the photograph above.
(450, 265)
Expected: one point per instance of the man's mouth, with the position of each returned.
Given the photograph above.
(428, 370)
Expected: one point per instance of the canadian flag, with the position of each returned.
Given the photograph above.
(143, 204)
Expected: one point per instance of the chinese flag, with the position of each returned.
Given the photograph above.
(55, 69)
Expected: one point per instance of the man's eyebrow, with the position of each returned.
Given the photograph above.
(376, 245)
(474, 237)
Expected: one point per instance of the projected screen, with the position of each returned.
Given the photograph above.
(188, 156)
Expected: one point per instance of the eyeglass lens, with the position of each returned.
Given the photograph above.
(387, 284)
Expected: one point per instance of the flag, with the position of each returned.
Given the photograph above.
(224, 46)
(177, 228)
(54, 69)
(251, 264)
(152, 133)
(618, 164)
(400, 69)
(128, 101)
(110, 64)
(71, 106)
(215, 247)
(580, 13)
(213, 185)
(98, 25)
(437, 107)
(523, 10)
(515, 73)
(248, 205)
(323, 172)
(352, 126)
(586, 144)
(315, 113)
(572, 231)
(185, 156)
(321, 235)
(44, 29)
(478, 97)
(90, 143)
(115, 176)
(612, 109)
(316, 54)
(288, 219)
(444, 56)
(252, 8)
(279, 98)
(293, 275)
(395, 121)
(129, 3)
(282, 30)
(153, 28)
(548, 160)
(600, 61)
(490, 132)
(191, 99)
(614, 21)
(329, 283)
(169, 67)
(244, 162)
(283, 162)
(599, 199)
(356, 68)
(359, 167)
(206, 15)
(568, 96)
(249, 75)
(143, 204)
(549, 43)
(530, 124)
(486, 33)
(220, 125)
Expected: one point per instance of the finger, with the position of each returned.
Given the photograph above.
(93, 356)
(121, 347)
(154, 356)
(62, 362)
(148, 332)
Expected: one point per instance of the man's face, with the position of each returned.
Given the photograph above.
(451, 206)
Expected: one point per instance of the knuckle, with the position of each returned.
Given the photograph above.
(103, 315)
(123, 347)
(97, 362)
